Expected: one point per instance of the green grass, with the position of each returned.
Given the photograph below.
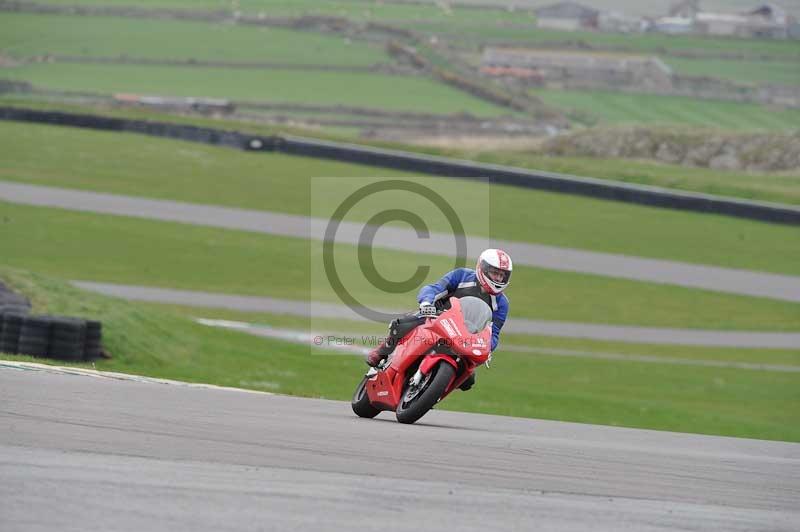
(358, 328)
(675, 398)
(142, 252)
(26, 35)
(161, 343)
(402, 15)
(167, 169)
(358, 10)
(621, 108)
(754, 72)
(388, 92)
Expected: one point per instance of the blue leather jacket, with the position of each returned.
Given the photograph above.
(463, 282)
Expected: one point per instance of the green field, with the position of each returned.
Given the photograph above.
(398, 93)
(358, 10)
(161, 343)
(131, 251)
(472, 26)
(160, 168)
(753, 72)
(621, 108)
(26, 35)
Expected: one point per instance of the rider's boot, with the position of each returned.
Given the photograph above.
(467, 384)
(377, 354)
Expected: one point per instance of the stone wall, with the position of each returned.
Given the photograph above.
(744, 152)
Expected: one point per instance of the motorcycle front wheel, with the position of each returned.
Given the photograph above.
(417, 400)
(360, 403)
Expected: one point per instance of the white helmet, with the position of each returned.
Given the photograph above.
(493, 270)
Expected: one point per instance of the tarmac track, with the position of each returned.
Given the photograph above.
(86, 453)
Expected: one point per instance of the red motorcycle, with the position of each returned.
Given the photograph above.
(428, 363)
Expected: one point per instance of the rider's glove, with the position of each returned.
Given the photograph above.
(427, 309)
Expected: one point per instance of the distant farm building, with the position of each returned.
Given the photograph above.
(569, 16)
(616, 22)
(766, 20)
(576, 69)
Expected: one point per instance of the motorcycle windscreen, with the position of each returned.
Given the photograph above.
(477, 313)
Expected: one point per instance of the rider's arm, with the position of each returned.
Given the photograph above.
(499, 319)
(442, 288)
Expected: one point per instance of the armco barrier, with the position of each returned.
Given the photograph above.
(440, 166)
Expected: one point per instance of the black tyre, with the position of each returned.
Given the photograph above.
(68, 324)
(9, 336)
(13, 318)
(17, 309)
(69, 338)
(9, 344)
(66, 350)
(32, 346)
(417, 400)
(34, 336)
(360, 403)
(68, 331)
(36, 326)
(90, 352)
(9, 299)
(93, 339)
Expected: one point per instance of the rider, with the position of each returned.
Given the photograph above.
(487, 282)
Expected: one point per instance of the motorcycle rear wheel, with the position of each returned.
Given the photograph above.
(416, 403)
(360, 403)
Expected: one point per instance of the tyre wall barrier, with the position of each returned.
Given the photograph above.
(431, 165)
(58, 337)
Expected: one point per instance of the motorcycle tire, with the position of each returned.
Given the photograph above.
(360, 403)
(433, 387)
